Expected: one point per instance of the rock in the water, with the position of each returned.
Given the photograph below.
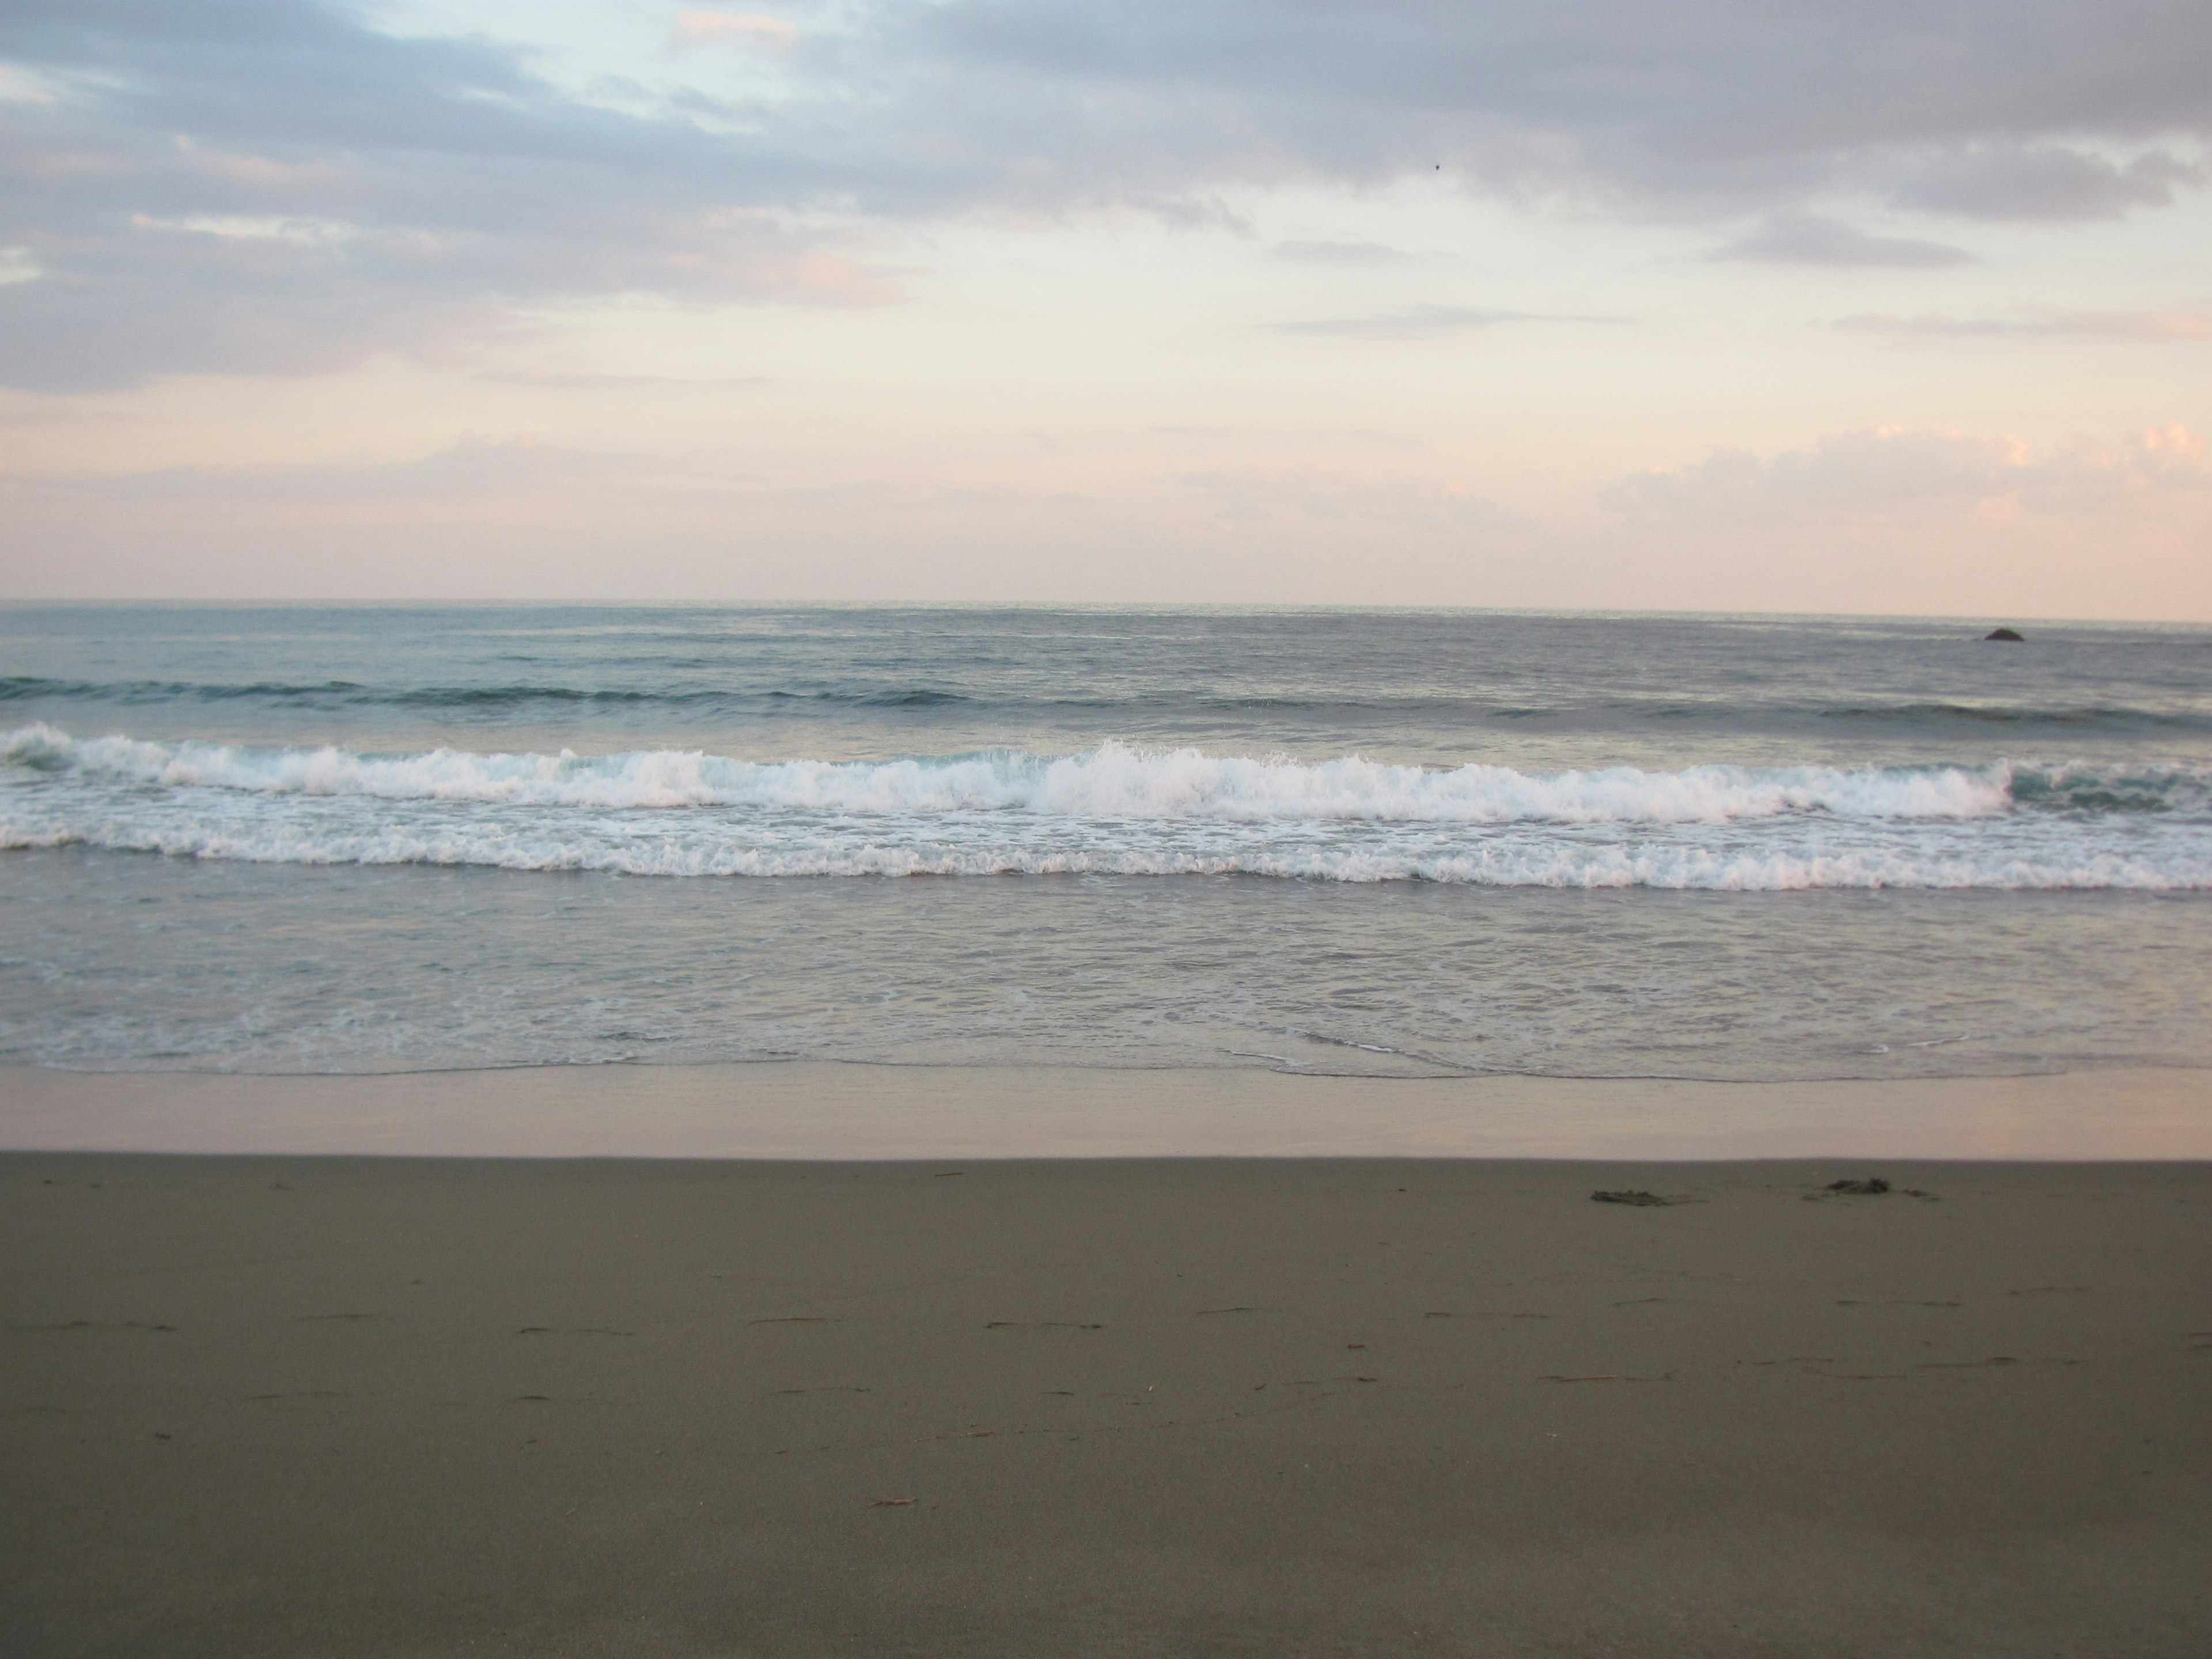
(2004, 634)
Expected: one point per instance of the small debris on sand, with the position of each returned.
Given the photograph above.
(1631, 1196)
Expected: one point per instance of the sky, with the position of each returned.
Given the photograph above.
(1744, 305)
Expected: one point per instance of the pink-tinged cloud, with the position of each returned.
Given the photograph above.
(1884, 474)
(750, 28)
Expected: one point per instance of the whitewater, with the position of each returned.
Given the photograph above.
(1397, 842)
(1116, 809)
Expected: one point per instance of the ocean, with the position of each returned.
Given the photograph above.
(1426, 843)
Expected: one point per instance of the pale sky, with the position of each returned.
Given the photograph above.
(1760, 305)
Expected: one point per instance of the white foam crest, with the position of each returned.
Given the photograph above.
(1517, 858)
(1114, 781)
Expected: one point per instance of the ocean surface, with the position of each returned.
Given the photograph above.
(379, 839)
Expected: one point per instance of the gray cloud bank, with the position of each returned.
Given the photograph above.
(275, 186)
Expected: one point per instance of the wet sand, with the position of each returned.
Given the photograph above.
(823, 1110)
(298, 1405)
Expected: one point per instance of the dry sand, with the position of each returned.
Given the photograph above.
(302, 1406)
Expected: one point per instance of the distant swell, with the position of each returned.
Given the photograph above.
(345, 693)
(804, 700)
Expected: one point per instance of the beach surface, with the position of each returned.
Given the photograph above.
(816, 1109)
(403, 1406)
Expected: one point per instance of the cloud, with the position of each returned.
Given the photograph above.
(277, 186)
(1416, 322)
(2044, 182)
(472, 467)
(1653, 106)
(1309, 493)
(265, 186)
(2148, 325)
(752, 28)
(1878, 474)
(1341, 252)
(1424, 323)
(560, 380)
(1807, 239)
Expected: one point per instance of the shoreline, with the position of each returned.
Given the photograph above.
(834, 1110)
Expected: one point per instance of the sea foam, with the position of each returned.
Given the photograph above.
(1118, 809)
(1114, 781)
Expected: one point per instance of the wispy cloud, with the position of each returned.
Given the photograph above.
(2147, 325)
(1424, 323)
(751, 29)
(1342, 253)
(1808, 238)
(558, 380)
(1876, 473)
(1261, 494)
(472, 467)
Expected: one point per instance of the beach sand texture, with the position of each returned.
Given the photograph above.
(303, 1406)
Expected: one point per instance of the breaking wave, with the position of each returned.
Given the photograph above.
(1120, 810)
(1114, 781)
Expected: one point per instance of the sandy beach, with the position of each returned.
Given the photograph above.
(800, 1110)
(344, 1406)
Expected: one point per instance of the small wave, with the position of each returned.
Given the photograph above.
(916, 699)
(2080, 788)
(1114, 781)
(801, 699)
(354, 694)
(1526, 862)
(2086, 714)
(509, 696)
(26, 688)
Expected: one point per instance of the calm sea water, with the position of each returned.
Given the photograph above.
(381, 839)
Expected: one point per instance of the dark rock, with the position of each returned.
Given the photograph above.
(1628, 1198)
(2004, 634)
(1867, 1188)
